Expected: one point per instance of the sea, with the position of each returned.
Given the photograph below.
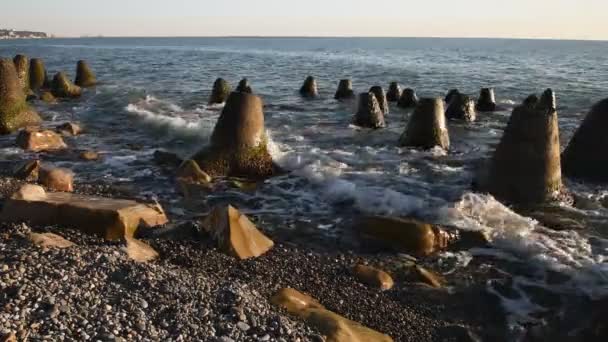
(153, 95)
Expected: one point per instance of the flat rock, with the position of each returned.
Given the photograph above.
(37, 141)
(373, 277)
(49, 240)
(139, 251)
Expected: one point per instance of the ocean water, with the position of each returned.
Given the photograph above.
(154, 91)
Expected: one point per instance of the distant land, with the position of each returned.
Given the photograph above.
(14, 34)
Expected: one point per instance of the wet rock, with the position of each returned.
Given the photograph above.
(235, 233)
(309, 88)
(48, 97)
(89, 155)
(525, 168)
(238, 145)
(37, 141)
(408, 99)
(373, 277)
(14, 111)
(486, 101)
(165, 158)
(28, 171)
(394, 92)
(139, 251)
(69, 129)
(220, 92)
(189, 176)
(49, 240)
(244, 87)
(426, 128)
(110, 218)
(38, 76)
(57, 179)
(294, 301)
(369, 114)
(583, 158)
(421, 274)
(22, 66)
(450, 95)
(461, 107)
(61, 87)
(345, 90)
(381, 97)
(84, 75)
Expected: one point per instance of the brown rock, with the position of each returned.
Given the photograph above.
(426, 128)
(373, 277)
(461, 107)
(220, 91)
(69, 129)
(22, 65)
(89, 155)
(49, 240)
(190, 171)
(15, 113)
(84, 75)
(235, 233)
(10, 337)
(294, 301)
(408, 99)
(38, 76)
(57, 179)
(425, 276)
(28, 171)
(394, 92)
(110, 218)
(381, 97)
(37, 141)
(345, 90)
(48, 97)
(309, 88)
(369, 114)
(139, 251)
(62, 87)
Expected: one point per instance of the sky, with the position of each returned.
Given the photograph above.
(557, 19)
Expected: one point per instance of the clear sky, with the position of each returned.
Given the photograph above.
(562, 19)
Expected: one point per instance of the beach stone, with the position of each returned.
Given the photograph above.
(486, 101)
(408, 98)
(427, 128)
(31, 139)
(394, 92)
(238, 146)
(28, 171)
(48, 97)
(61, 87)
(49, 240)
(461, 107)
(84, 75)
(235, 233)
(57, 179)
(69, 129)
(139, 251)
(165, 158)
(111, 218)
(14, 111)
(421, 274)
(309, 88)
(190, 171)
(220, 92)
(525, 168)
(583, 158)
(450, 95)
(22, 65)
(369, 114)
(373, 277)
(244, 86)
(345, 90)
(37, 74)
(8, 337)
(294, 301)
(89, 155)
(381, 97)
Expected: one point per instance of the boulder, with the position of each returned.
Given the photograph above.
(373, 277)
(49, 240)
(8, 337)
(89, 155)
(57, 179)
(309, 88)
(37, 141)
(369, 113)
(38, 76)
(422, 275)
(69, 129)
(381, 97)
(394, 92)
(244, 86)
(461, 107)
(28, 171)
(450, 95)
(220, 92)
(14, 111)
(22, 65)
(238, 145)
(110, 218)
(235, 233)
(525, 168)
(486, 101)
(426, 128)
(84, 75)
(294, 301)
(345, 90)
(583, 158)
(139, 251)
(61, 87)
(190, 171)
(48, 97)
(408, 99)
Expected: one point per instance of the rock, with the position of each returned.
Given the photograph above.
(190, 171)
(48, 97)
(61, 87)
(14, 111)
(69, 129)
(139, 251)
(22, 65)
(49, 240)
(408, 99)
(38, 76)
(84, 75)
(235, 233)
(486, 101)
(525, 168)
(426, 128)
(294, 301)
(373, 277)
(421, 274)
(110, 218)
(450, 95)
(381, 97)
(407, 235)
(461, 107)
(57, 179)
(583, 158)
(309, 88)
(37, 141)
(220, 92)
(165, 158)
(9, 337)
(238, 146)
(89, 155)
(28, 171)
(394, 92)
(369, 114)
(345, 90)
(244, 86)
